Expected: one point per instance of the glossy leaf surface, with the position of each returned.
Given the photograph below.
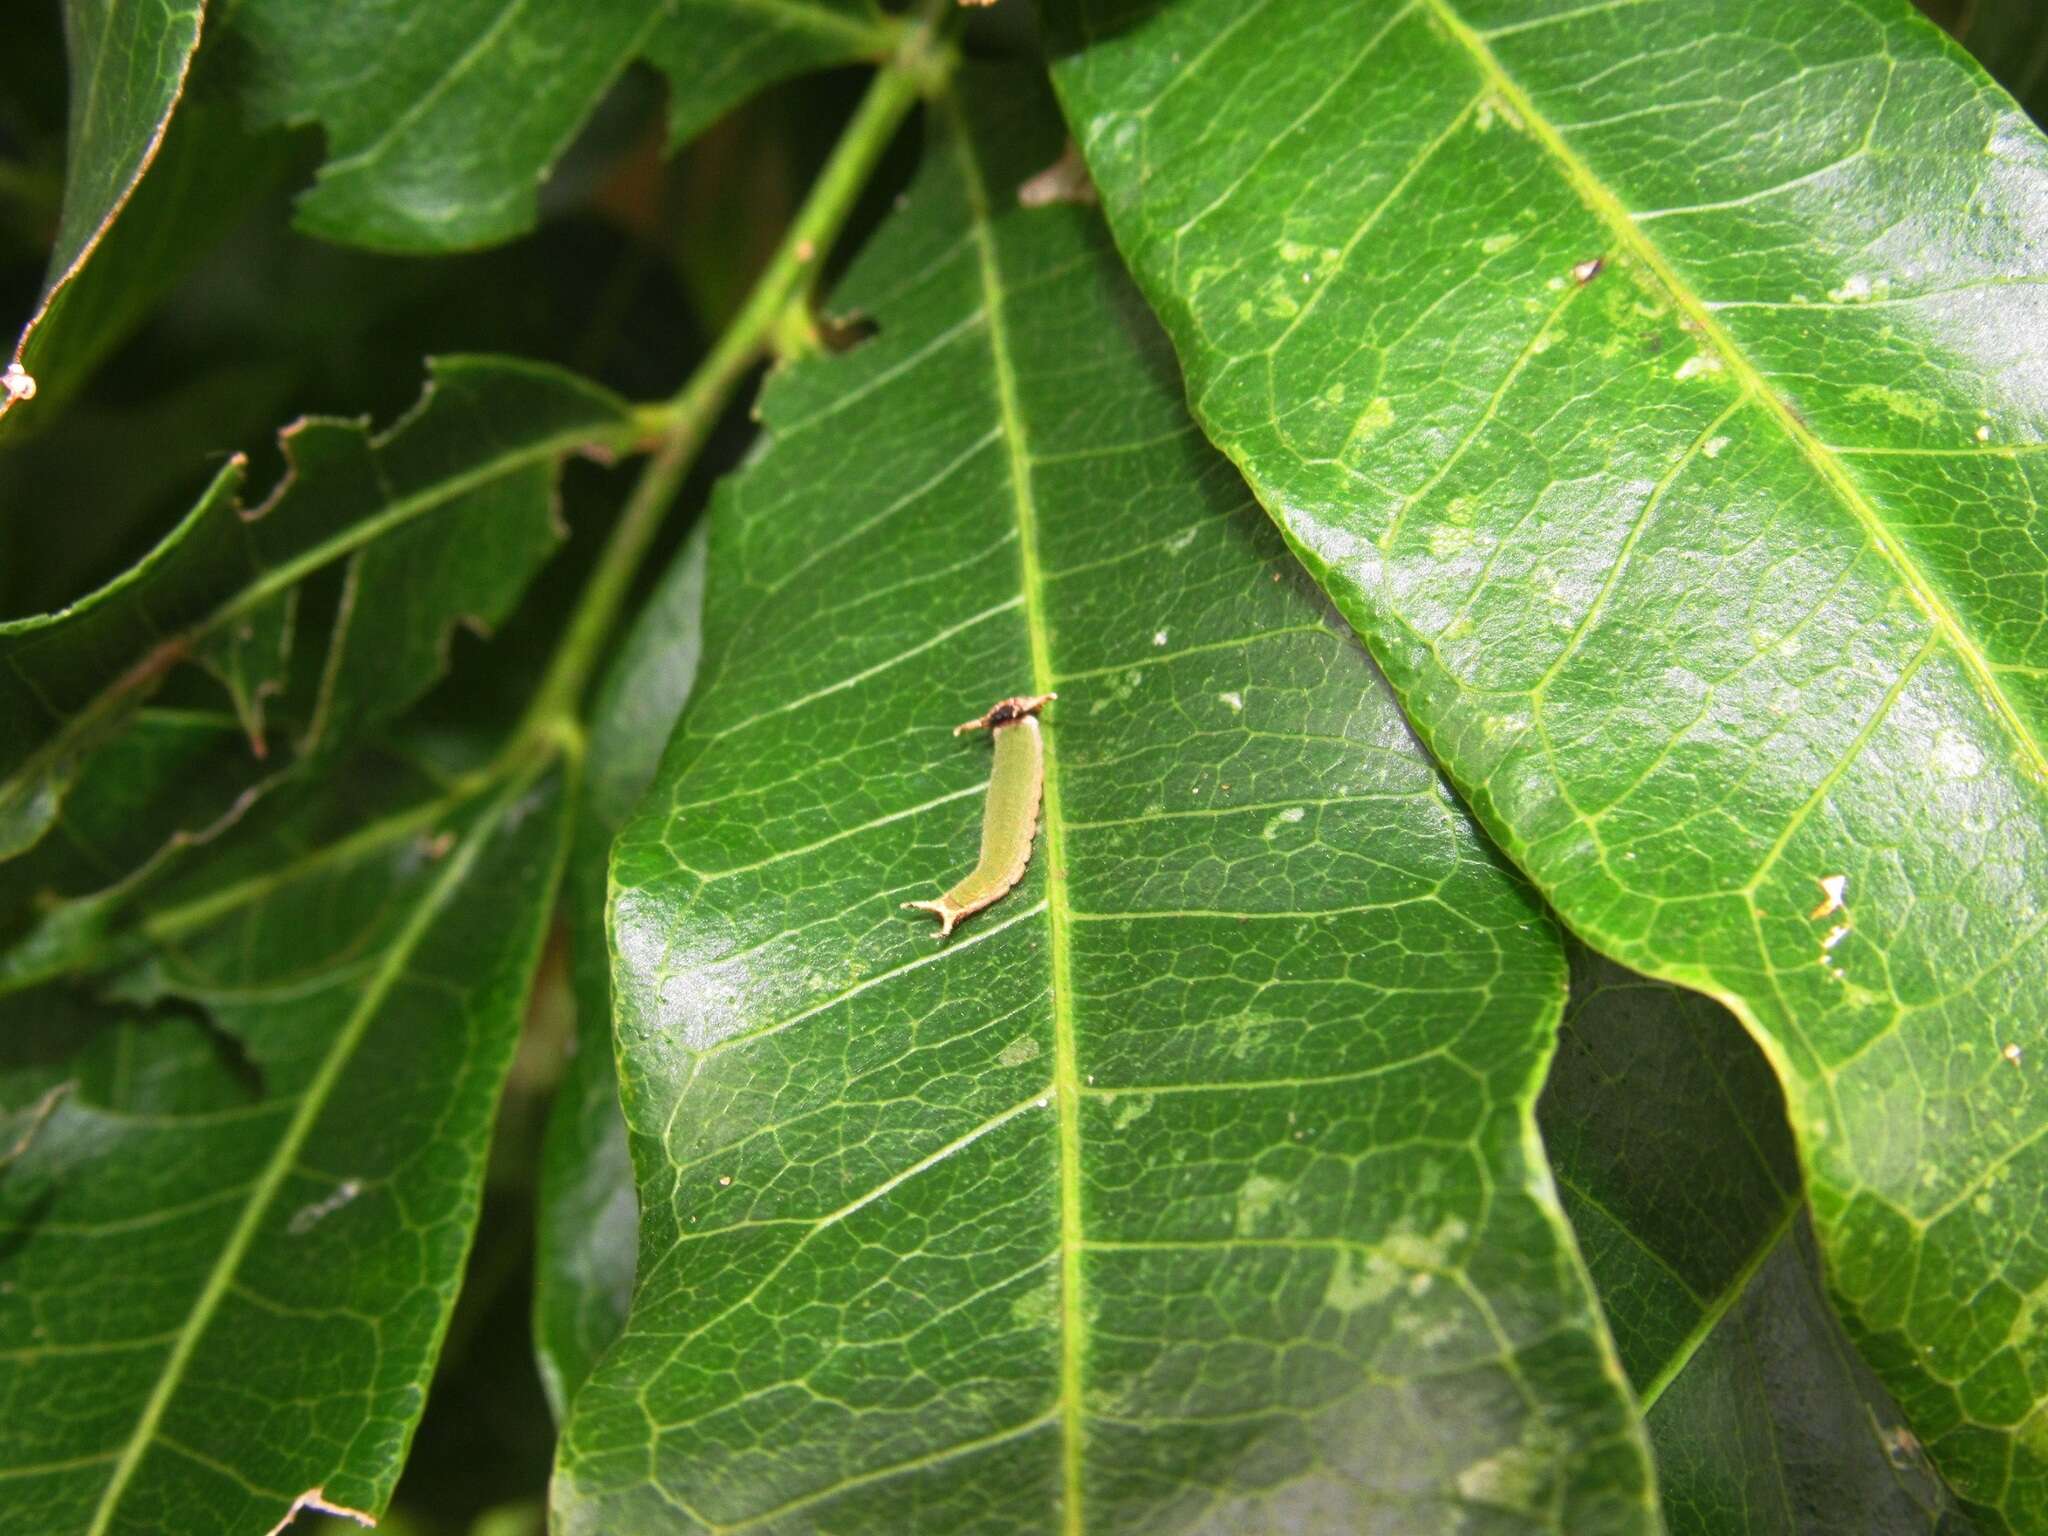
(442, 120)
(232, 1249)
(128, 60)
(1667, 1136)
(1192, 1185)
(1657, 388)
(589, 1210)
(444, 517)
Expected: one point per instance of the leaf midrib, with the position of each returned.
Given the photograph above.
(1066, 1071)
(1611, 211)
(263, 1193)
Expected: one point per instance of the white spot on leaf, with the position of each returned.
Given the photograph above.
(1832, 887)
(307, 1217)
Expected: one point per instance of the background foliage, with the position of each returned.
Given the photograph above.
(460, 1055)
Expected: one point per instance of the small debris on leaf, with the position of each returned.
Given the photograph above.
(1832, 887)
(1066, 180)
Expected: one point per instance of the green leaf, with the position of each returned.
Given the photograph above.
(1194, 1184)
(2008, 37)
(1654, 388)
(444, 517)
(233, 1248)
(210, 172)
(1777, 1426)
(589, 1213)
(1667, 1135)
(442, 121)
(128, 61)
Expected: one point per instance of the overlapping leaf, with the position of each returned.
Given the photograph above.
(1193, 1185)
(128, 62)
(231, 1249)
(1656, 388)
(442, 120)
(443, 518)
(1667, 1135)
(589, 1212)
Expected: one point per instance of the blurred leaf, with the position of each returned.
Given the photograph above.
(128, 61)
(209, 174)
(86, 494)
(443, 120)
(1194, 1184)
(479, 454)
(589, 1212)
(1667, 1134)
(1656, 387)
(232, 1251)
(2008, 37)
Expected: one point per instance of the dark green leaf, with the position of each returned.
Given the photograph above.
(231, 1251)
(1667, 1135)
(479, 454)
(1193, 1185)
(589, 1213)
(210, 173)
(1776, 1427)
(1656, 388)
(442, 120)
(128, 61)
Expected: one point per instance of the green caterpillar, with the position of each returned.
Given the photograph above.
(1009, 817)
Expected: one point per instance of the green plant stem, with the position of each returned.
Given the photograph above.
(685, 422)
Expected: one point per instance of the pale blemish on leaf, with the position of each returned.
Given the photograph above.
(1858, 288)
(1899, 402)
(1358, 1279)
(1257, 1199)
(1954, 755)
(1433, 1250)
(1376, 418)
(1020, 1050)
(1282, 819)
(307, 1217)
(1515, 1478)
(1130, 1107)
(1036, 1309)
